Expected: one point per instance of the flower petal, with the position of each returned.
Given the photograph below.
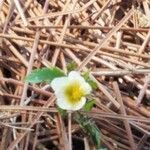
(59, 83)
(87, 88)
(74, 75)
(79, 105)
(64, 104)
(61, 99)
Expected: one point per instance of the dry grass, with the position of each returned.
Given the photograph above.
(111, 38)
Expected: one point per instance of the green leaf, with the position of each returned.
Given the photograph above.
(89, 105)
(86, 75)
(62, 112)
(101, 149)
(89, 80)
(71, 66)
(89, 127)
(93, 84)
(44, 75)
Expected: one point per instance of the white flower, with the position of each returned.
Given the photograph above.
(71, 91)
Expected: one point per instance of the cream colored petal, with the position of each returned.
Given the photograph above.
(86, 87)
(58, 84)
(75, 76)
(61, 99)
(62, 103)
(79, 105)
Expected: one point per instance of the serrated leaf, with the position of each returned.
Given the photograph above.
(92, 83)
(89, 105)
(71, 66)
(89, 127)
(62, 112)
(44, 75)
(86, 75)
(89, 80)
(95, 134)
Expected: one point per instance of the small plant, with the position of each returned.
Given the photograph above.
(72, 93)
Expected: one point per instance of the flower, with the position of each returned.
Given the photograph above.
(70, 91)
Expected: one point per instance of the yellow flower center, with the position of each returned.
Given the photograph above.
(74, 93)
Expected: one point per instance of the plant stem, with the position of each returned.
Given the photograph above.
(69, 130)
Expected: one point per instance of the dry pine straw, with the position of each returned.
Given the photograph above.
(111, 38)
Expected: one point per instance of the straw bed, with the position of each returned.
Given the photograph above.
(109, 38)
